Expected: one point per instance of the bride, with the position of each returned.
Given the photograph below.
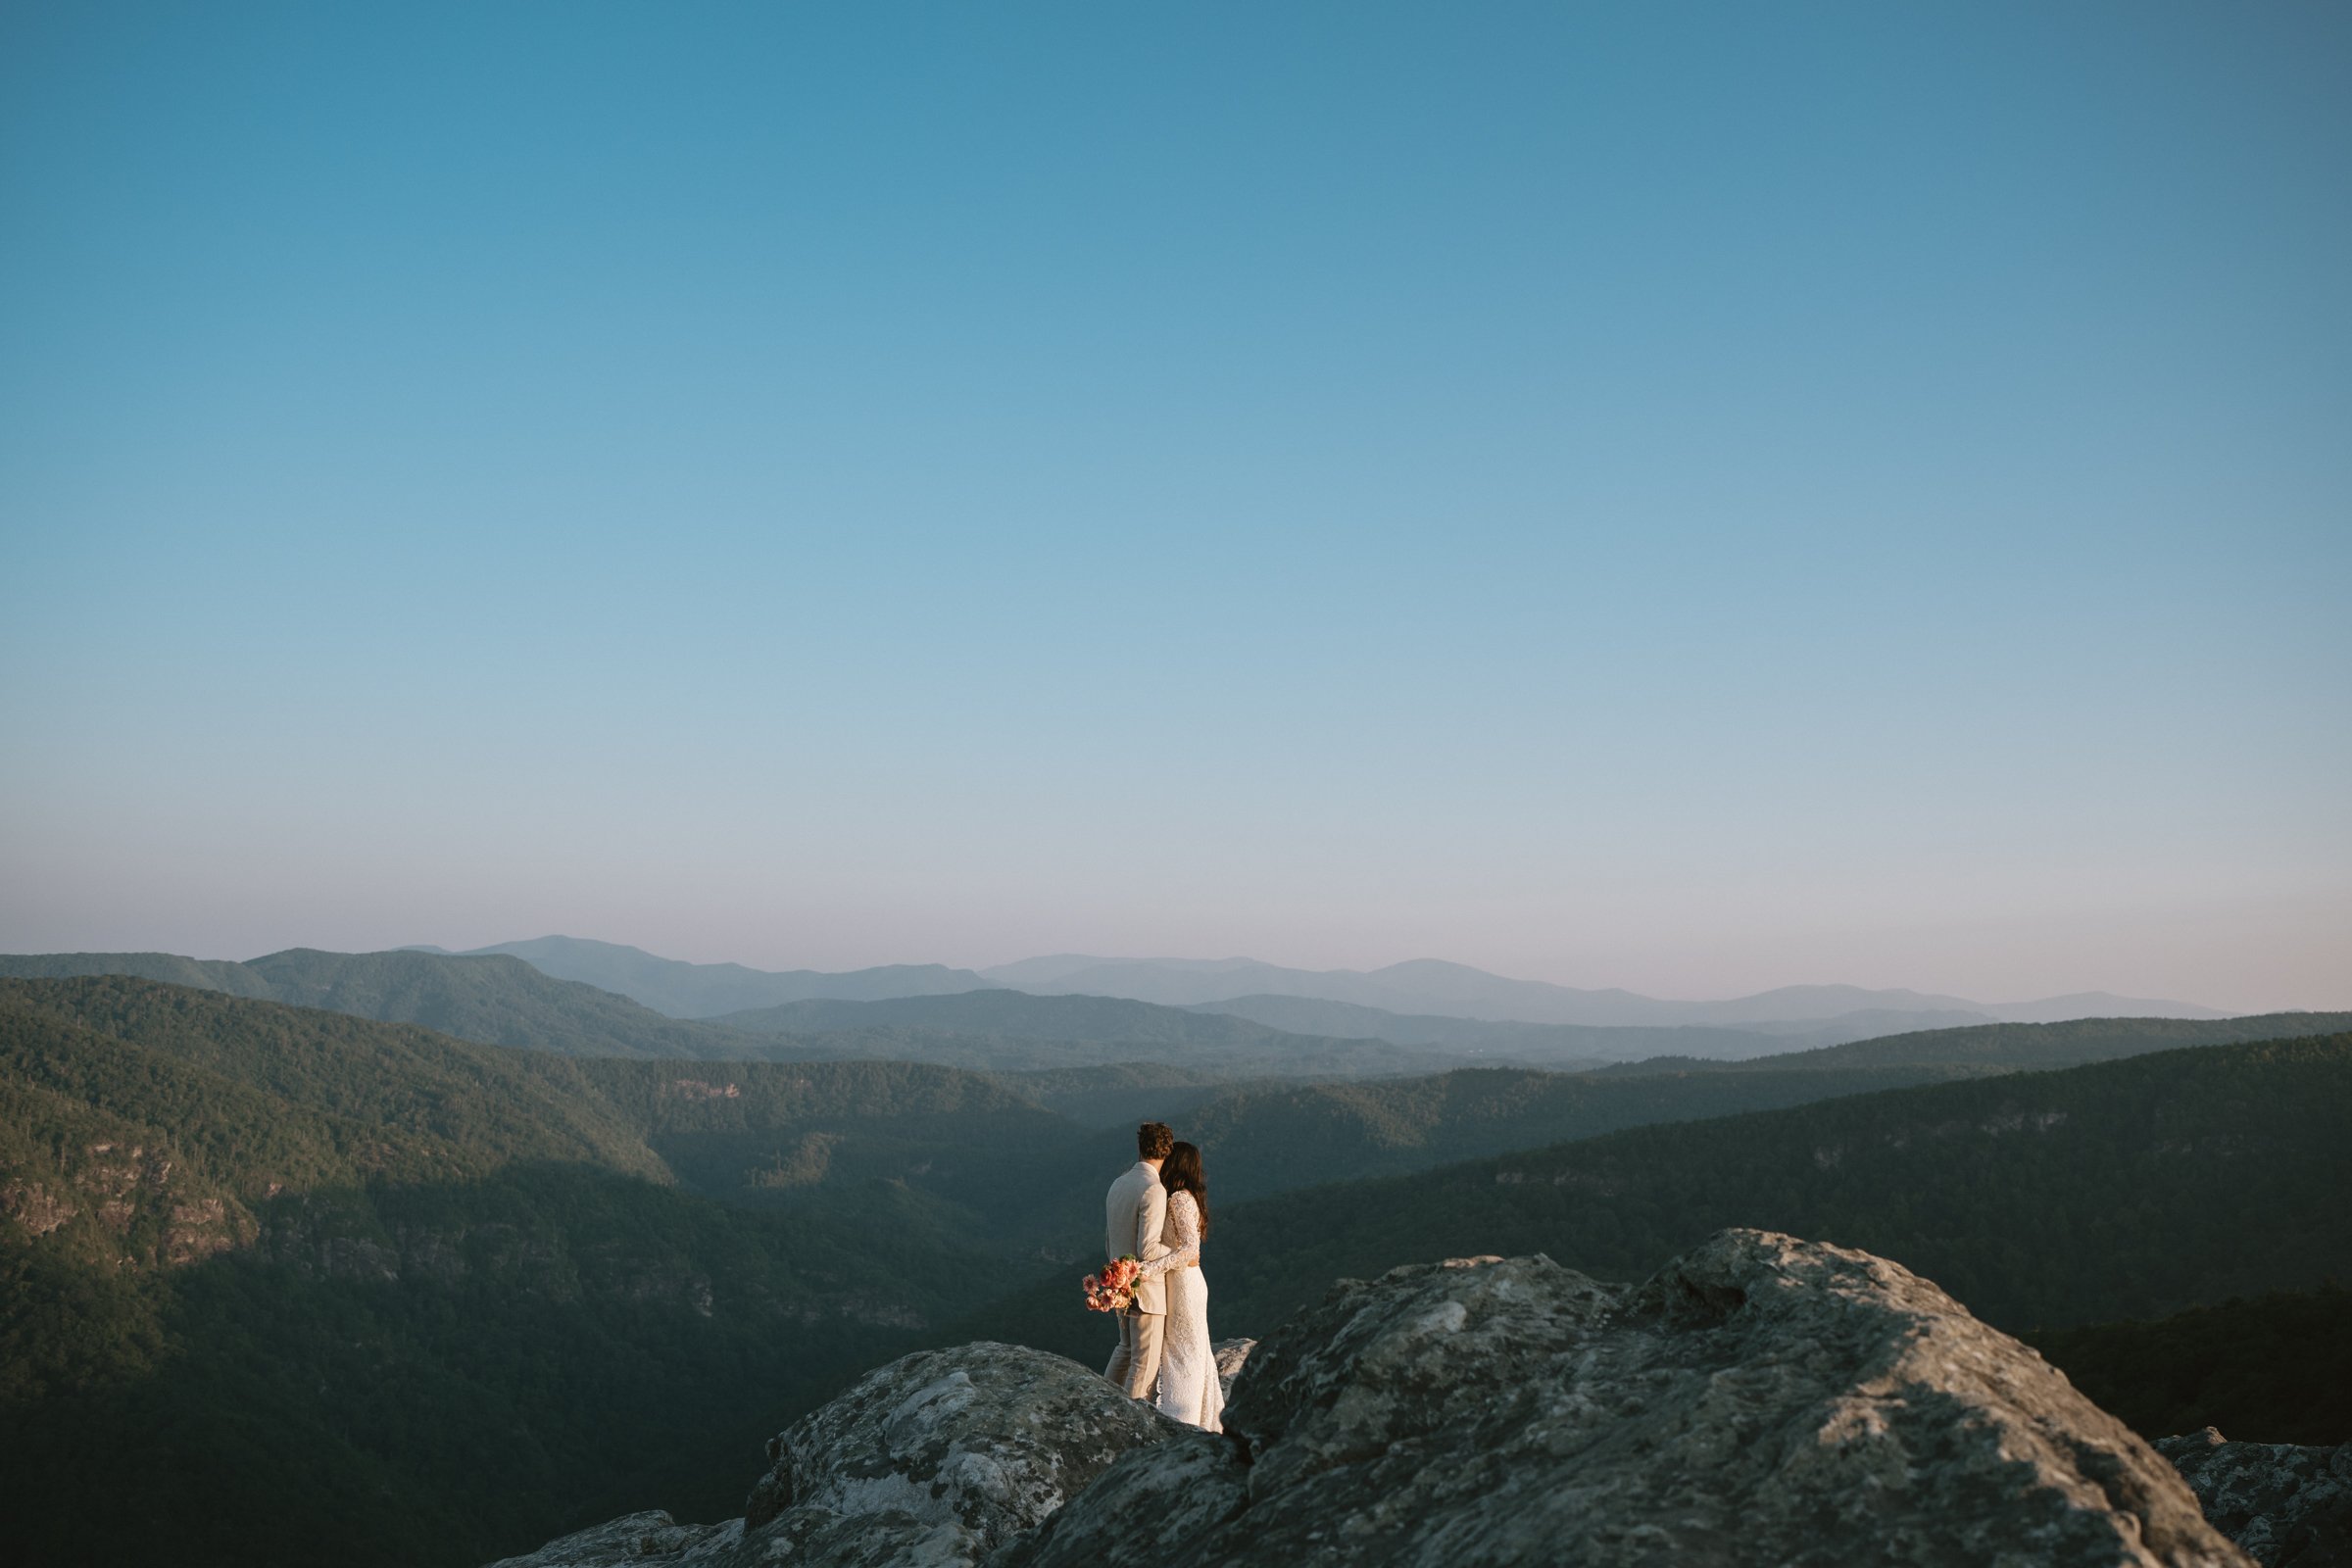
(1187, 1369)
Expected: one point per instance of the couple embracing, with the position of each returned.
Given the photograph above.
(1158, 1214)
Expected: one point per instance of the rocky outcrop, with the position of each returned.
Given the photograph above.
(1762, 1399)
(938, 1459)
(1232, 1356)
(2288, 1505)
(35, 1207)
(652, 1537)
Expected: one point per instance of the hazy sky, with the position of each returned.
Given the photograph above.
(1693, 497)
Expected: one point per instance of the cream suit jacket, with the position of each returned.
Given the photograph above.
(1134, 1212)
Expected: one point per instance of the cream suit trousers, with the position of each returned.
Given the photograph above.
(1135, 1365)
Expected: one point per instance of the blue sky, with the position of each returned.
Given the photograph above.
(1693, 498)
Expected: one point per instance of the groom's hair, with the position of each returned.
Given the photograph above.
(1154, 1140)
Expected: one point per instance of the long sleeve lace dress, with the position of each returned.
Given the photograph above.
(1188, 1368)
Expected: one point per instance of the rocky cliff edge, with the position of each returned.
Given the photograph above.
(1762, 1399)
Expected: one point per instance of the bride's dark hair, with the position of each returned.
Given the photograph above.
(1182, 1174)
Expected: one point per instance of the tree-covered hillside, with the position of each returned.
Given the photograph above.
(357, 1290)
(204, 974)
(2123, 1189)
(343, 1291)
(501, 1000)
(1016, 1031)
(2272, 1368)
(1557, 1046)
(316, 1082)
(1270, 1137)
(2018, 1047)
(1272, 1055)
(681, 990)
(494, 1000)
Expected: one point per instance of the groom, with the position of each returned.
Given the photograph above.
(1133, 1212)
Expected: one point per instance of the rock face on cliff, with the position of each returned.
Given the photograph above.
(1232, 1356)
(1762, 1399)
(936, 1459)
(2288, 1505)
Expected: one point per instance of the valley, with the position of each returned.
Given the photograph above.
(313, 1267)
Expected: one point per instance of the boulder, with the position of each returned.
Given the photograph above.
(651, 1538)
(934, 1461)
(2289, 1505)
(942, 1457)
(1762, 1399)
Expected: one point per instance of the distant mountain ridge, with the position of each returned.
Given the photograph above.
(2012, 1047)
(684, 990)
(204, 974)
(1016, 1031)
(1563, 1047)
(1012, 1014)
(491, 1000)
(1433, 987)
(499, 998)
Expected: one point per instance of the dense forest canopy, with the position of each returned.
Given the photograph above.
(357, 1289)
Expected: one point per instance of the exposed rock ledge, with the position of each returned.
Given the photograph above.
(2288, 1505)
(1762, 1399)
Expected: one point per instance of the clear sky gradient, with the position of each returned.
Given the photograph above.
(1687, 497)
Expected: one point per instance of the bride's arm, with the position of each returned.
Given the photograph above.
(1185, 1216)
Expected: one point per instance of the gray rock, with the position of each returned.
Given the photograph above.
(934, 1461)
(2289, 1505)
(1232, 1356)
(635, 1540)
(945, 1455)
(1760, 1401)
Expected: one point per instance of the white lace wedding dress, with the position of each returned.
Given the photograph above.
(1187, 1366)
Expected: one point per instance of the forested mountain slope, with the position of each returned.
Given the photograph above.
(496, 1000)
(205, 974)
(1269, 1138)
(2124, 1189)
(1434, 987)
(500, 1000)
(344, 1291)
(682, 989)
(360, 1291)
(2018, 1047)
(745, 1131)
(2268, 1368)
(1013, 1032)
(1560, 1047)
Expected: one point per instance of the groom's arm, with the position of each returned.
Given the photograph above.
(1151, 1216)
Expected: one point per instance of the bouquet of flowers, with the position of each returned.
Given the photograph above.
(1114, 1289)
